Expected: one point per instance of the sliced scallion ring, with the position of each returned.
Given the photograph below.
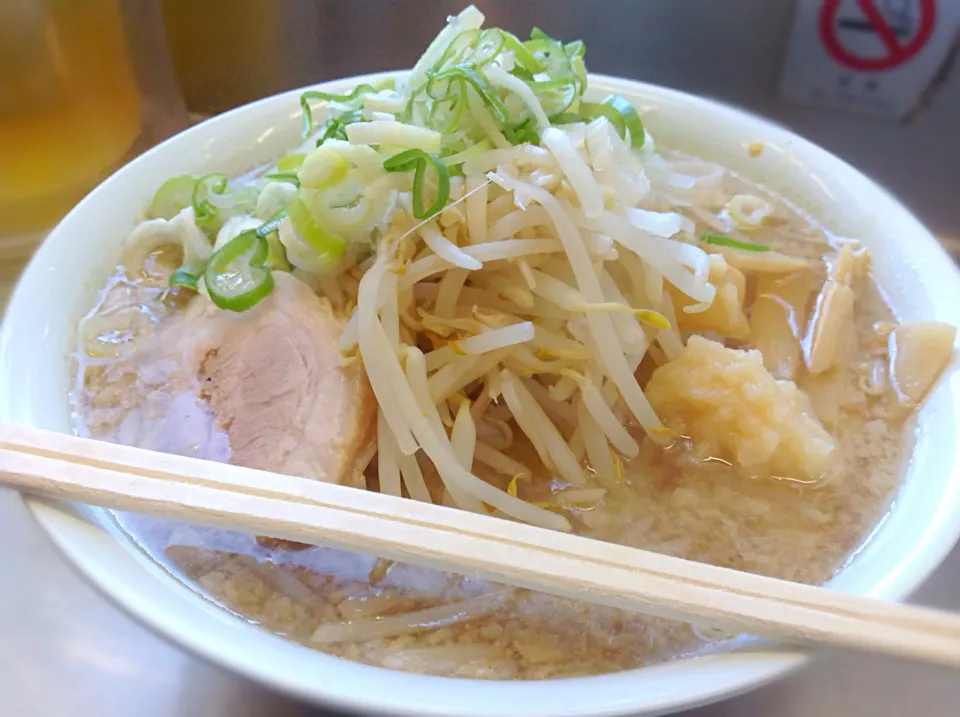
(526, 131)
(487, 47)
(305, 98)
(589, 111)
(721, 240)
(630, 119)
(272, 224)
(526, 59)
(277, 254)
(575, 48)
(336, 127)
(290, 177)
(236, 275)
(322, 169)
(172, 197)
(290, 162)
(328, 246)
(458, 50)
(417, 160)
(204, 211)
(452, 160)
(188, 275)
(556, 96)
(488, 95)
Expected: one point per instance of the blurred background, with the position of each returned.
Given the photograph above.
(86, 84)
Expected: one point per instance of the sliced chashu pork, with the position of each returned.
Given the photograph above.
(272, 376)
(263, 389)
(270, 379)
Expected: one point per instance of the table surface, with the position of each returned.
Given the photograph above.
(66, 651)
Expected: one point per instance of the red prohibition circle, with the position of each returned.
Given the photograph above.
(896, 52)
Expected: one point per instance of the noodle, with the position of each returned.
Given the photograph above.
(405, 624)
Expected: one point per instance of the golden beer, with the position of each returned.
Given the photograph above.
(69, 105)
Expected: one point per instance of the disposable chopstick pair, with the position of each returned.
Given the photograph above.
(68, 468)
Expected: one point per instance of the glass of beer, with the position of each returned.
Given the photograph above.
(72, 108)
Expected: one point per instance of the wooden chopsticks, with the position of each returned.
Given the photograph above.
(68, 468)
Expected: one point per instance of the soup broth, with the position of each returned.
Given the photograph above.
(674, 500)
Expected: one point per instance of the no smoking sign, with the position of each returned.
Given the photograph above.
(901, 34)
(873, 55)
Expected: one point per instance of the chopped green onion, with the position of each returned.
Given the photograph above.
(458, 49)
(466, 73)
(328, 246)
(204, 211)
(277, 254)
(721, 240)
(173, 196)
(566, 73)
(540, 44)
(555, 73)
(284, 177)
(526, 59)
(537, 34)
(272, 224)
(630, 119)
(454, 112)
(589, 111)
(236, 275)
(561, 60)
(522, 73)
(575, 48)
(332, 129)
(615, 108)
(188, 275)
(334, 97)
(488, 47)
(290, 162)
(452, 160)
(417, 160)
(570, 117)
(322, 168)
(335, 128)
(328, 97)
(556, 96)
(526, 131)
(579, 68)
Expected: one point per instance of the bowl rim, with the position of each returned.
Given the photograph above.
(610, 694)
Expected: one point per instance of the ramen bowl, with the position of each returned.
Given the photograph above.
(61, 283)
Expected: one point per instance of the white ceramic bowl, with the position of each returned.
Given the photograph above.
(71, 265)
